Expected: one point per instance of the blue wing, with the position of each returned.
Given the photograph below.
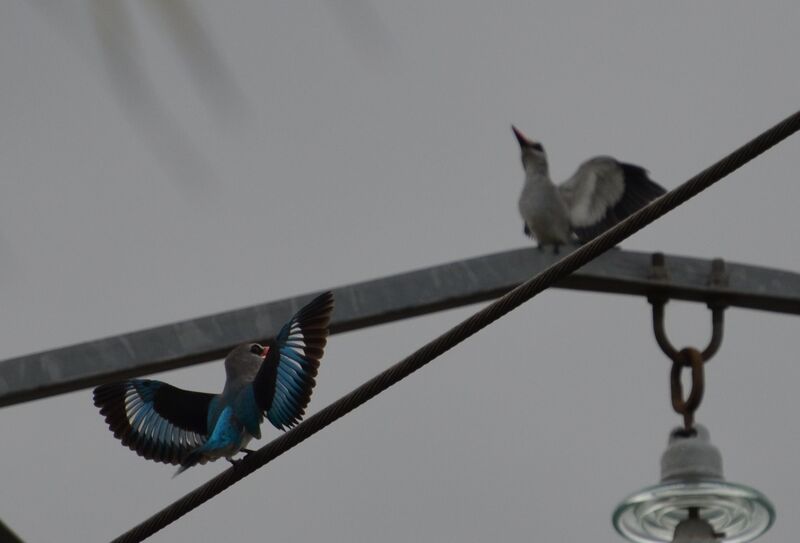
(158, 421)
(285, 381)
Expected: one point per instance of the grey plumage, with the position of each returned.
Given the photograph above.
(601, 193)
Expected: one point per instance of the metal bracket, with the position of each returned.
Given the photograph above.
(688, 357)
(658, 268)
(718, 277)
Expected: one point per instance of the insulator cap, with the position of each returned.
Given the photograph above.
(691, 456)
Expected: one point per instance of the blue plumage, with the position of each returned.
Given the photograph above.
(248, 412)
(225, 440)
(167, 424)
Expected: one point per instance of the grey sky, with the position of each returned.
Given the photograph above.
(363, 151)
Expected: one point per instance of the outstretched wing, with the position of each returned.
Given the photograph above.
(158, 421)
(603, 192)
(285, 380)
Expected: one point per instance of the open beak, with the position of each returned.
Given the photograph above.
(264, 352)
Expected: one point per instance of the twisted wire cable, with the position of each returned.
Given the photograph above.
(465, 329)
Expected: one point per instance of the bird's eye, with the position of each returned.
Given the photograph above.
(537, 146)
(256, 349)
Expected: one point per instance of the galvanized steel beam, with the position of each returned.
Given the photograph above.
(388, 299)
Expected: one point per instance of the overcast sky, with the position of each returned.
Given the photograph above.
(345, 141)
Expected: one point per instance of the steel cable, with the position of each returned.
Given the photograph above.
(465, 329)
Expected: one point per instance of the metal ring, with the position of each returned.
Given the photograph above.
(693, 359)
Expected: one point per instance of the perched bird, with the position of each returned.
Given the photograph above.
(599, 195)
(174, 426)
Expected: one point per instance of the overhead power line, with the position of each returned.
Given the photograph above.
(7, 536)
(465, 329)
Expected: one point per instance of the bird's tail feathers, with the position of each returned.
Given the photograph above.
(192, 459)
(216, 447)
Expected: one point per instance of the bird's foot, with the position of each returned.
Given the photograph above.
(235, 461)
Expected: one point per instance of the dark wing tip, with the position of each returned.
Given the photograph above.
(155, 436)
(284, 386)
(638, 181)
(314, 320)
(639, 191)
(111, 399)
(321, 307)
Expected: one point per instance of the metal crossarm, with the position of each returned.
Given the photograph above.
(384, 300)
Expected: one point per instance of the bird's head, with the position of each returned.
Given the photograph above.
(245, 360)
(533, 156)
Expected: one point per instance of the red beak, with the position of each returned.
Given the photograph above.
(521, 138)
